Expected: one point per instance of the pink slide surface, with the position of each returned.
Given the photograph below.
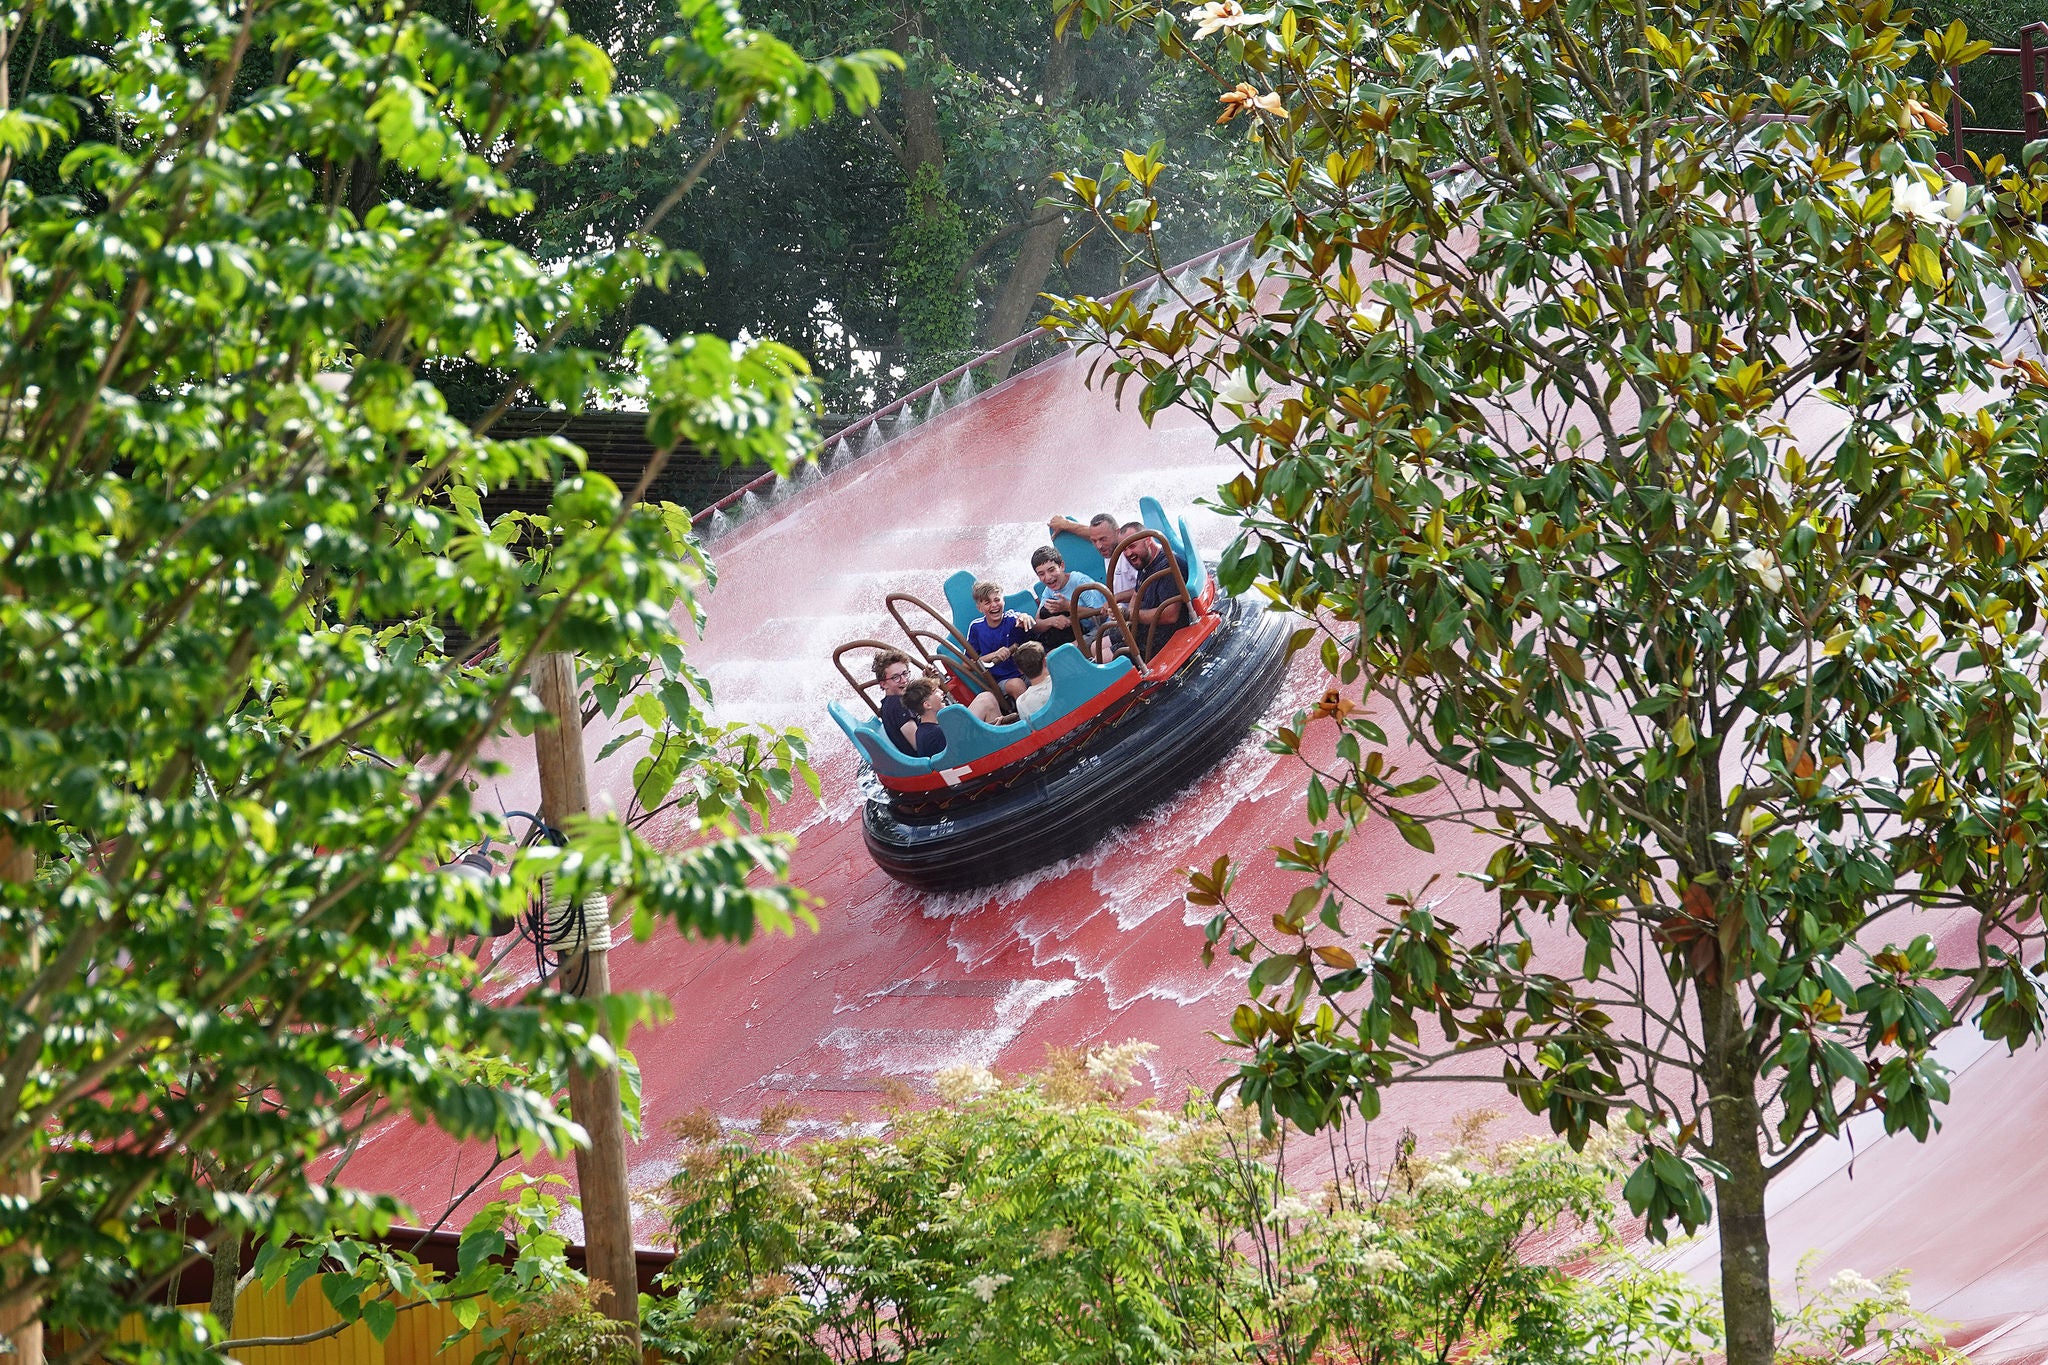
(897, 984)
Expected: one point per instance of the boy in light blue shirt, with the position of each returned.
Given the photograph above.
(1057, 585)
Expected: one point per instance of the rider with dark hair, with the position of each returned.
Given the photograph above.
(925, 698)
(1057, 585)
(892, 671)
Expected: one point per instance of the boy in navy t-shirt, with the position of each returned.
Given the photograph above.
(892, 671)
(994, 640)
(926, 698)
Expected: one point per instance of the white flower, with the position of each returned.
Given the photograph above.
(1764, 565)
(1221, 14)
(1444, 1180)
(1606, 1143)
(1364, 1231)
(1912, 199)
(1300, 1292)
(984, 1287)
(1288, 1206)
(1117, 1065)
(1238, 389)
(1245, 98)
(959, 1084)
(1380, 1261)
(1851, 1285)
(1156, 1124)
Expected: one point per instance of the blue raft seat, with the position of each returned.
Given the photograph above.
(960, 600)
(1082, 556)
(1183, 544)
(1076, 680)
(866, 733)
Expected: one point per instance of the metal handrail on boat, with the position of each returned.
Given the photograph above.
(860, 688)
(1129, 628)
(957, 655)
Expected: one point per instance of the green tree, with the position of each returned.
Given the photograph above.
(237, 519)
(1624, 408)
(889, 248)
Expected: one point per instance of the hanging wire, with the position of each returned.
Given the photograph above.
(553, 925)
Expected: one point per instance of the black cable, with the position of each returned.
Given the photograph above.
(556, 935)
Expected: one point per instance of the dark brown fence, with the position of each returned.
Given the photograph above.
(2032, 58)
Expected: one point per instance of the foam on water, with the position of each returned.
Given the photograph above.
(923, 1051)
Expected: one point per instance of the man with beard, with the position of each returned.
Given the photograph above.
(1157, 612)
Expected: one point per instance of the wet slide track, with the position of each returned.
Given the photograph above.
(898, 983)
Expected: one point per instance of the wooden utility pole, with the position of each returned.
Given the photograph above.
(21, 1323)
(593, 1094)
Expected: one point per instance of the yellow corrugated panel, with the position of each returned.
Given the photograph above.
(260, 1312)
(417, 1338)
(264, 1312)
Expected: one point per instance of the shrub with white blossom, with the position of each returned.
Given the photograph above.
(1051, 1219)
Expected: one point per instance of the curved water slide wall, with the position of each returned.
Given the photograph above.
(897, 984)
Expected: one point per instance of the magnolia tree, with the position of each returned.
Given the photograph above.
(236, 519)
(1650, 430)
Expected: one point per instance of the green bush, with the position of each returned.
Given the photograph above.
(1046, 1220)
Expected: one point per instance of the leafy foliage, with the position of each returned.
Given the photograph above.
(566, 1328)
(512, 1278)
(1045, 1220)
(1990, 88)
(930, 260)
(1853, 1316)
(237, 518)
(1626, 408)
(820, 241)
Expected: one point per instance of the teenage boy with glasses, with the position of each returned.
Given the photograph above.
(892, 671)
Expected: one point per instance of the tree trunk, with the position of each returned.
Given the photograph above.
(1736, 1144)
(1040, 247)
(593, 1094)
(928, 251)
(227, 1269)
(20, 1324)
(1018, 301)
(918, 143)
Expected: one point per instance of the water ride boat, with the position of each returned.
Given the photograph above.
(1116, 740)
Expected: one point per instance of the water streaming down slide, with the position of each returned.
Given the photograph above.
(897, 984)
